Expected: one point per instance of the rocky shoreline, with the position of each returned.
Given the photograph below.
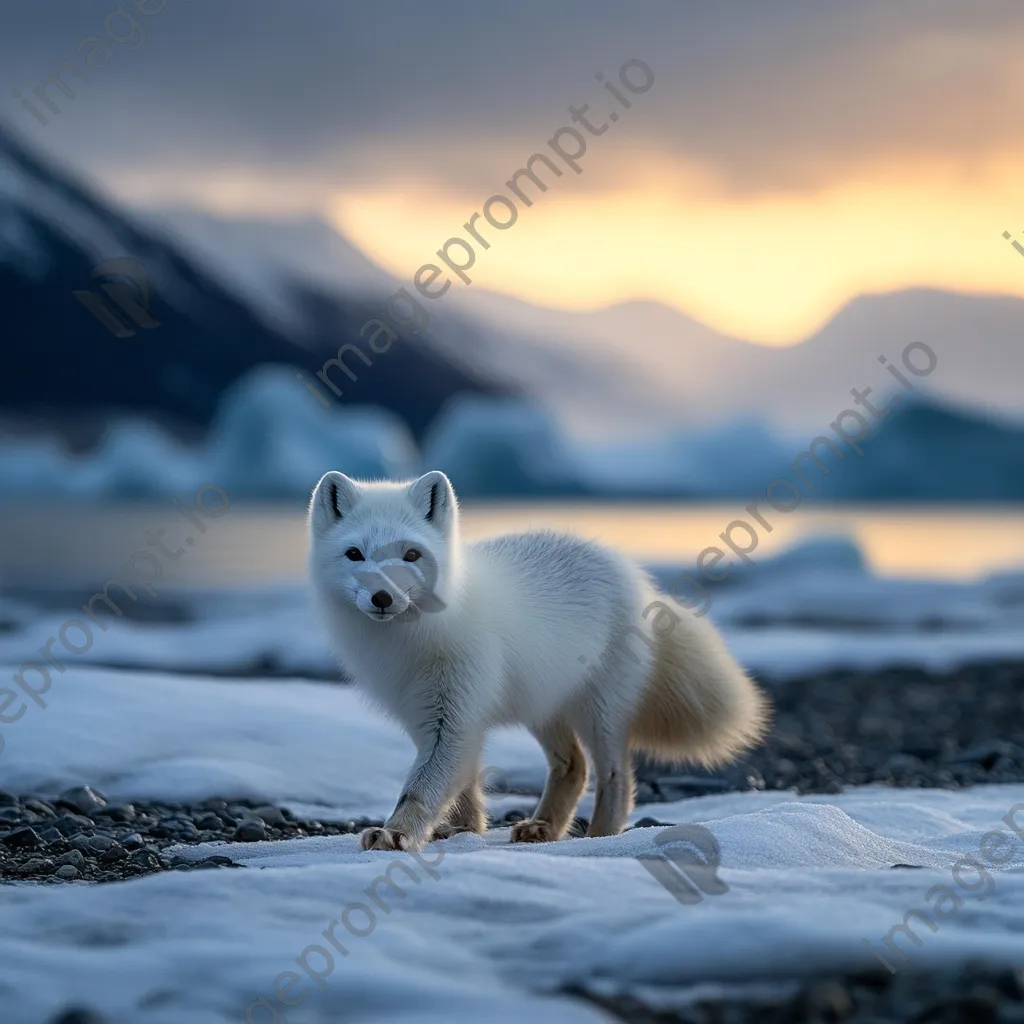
(81, 836)
(898, 727)
(901, 727)
(973, 994)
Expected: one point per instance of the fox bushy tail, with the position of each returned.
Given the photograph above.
(699, 704)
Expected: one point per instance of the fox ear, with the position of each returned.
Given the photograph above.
(433, 496)
(333, 498)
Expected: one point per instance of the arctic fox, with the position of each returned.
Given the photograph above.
(540, 629)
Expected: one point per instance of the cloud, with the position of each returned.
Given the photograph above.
(793, 94)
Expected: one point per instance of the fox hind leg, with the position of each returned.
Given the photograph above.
(602, 720)
(613, 770)
(567, 778)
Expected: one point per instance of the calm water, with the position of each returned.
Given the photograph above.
(255, 544)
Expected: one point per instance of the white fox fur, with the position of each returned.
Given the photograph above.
(541, 629)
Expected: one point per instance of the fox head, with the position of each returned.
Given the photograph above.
(389, 550)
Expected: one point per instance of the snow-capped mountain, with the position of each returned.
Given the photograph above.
(76, 345)
(643, 363)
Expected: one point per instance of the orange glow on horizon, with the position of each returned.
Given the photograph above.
(769, 267)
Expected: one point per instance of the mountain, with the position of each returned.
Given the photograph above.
(274, 263)
(263, 260)
(62, 365)
(643, 364)
(703, 376)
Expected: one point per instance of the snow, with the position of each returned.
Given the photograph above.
(159, 736)
(502, 929)
(485, 930)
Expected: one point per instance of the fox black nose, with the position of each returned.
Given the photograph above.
(382, 599)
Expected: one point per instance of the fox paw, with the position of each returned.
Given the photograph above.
(533, 830)
(384, 839)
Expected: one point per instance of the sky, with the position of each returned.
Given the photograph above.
(788, 156)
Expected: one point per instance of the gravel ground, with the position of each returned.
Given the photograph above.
(81, 836)
(975, 994)
(899, 728)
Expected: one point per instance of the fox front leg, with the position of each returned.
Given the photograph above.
(432, 782)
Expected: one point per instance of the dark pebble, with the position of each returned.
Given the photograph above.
(44, 810)
(83, 799)
(676, 787)
(77, 1015)
(250, 832)
(38, 866)
(145, 859)
(21, 838)
(206, 865)
(269, 815)
(651, 823)
(7, 799)
(119, 812)
(69, 824)
(969, 994)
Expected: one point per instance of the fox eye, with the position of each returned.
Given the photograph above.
(412, 555)
(354, 555)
